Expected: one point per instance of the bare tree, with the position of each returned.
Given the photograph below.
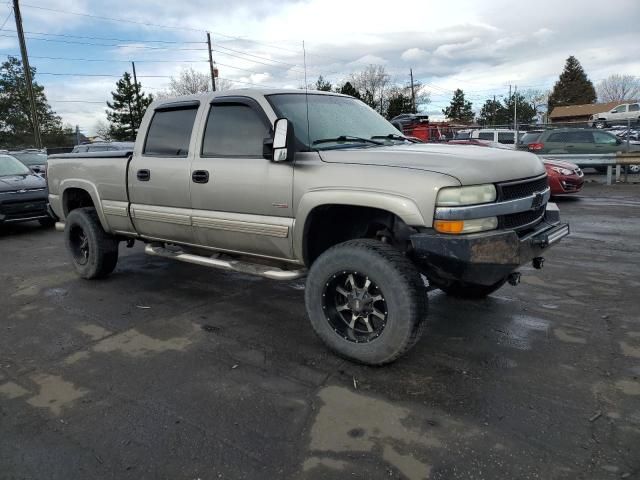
(373, 83)
(618, 88)
(223, 84)
(189, 82)
(102, 130)
(538, 99)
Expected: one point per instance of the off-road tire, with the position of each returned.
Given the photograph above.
(394, 276)
(471, 290)
(101, 249)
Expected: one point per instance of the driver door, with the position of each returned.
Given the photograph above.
(241, 201)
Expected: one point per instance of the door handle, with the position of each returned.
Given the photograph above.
(200, 176)
(144, 175)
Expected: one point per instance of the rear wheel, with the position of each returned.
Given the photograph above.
(94, 253)
(366, 301)
(471, 290)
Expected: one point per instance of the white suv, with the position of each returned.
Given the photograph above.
(498, 135)
(621, 114)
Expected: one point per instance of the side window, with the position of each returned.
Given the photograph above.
(170, 132)
(506, 137)
(579, 137)
(558, 137)
(634, 107)
(620, 109)
(234, 130)
(603, 138)
(486, 136)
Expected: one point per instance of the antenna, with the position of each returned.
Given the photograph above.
(306, 92)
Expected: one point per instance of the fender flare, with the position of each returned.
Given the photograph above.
(404, 208)
(88, 187)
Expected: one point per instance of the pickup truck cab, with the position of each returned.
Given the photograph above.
(621, 114)
(289, 184)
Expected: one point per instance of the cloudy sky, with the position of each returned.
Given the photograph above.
(81, 47)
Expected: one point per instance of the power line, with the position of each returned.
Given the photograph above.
(7, 19)
(105, 38)
(255, 56)
(97, 75)
(103, 44)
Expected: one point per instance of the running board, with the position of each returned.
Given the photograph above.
(229, 265)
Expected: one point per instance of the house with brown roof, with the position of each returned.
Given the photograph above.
(579, 113)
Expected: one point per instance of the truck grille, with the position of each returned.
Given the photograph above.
(521, 189)
(524, 188)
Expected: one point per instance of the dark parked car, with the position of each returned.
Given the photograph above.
(575, 141)
(23, 194)
(36, 160)
(103, 147)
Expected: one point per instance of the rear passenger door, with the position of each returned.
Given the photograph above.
(160, 175)
(241, 200)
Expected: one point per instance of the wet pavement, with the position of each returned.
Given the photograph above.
(169, 370)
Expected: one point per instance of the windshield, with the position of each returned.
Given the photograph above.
(528, 138)
(11, 166)
(29, 158)
(346, 120)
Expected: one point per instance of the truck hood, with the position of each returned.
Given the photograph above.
(21, 182)
(469, 164)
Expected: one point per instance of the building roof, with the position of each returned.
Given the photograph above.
(582, 110)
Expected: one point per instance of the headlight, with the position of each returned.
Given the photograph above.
(456, 196)
(466, 226)
(562, 171)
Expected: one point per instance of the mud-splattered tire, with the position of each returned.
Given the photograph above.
(93, 252)
(366, 301)
(471, 290)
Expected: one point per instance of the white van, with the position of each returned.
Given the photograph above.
(499, 135)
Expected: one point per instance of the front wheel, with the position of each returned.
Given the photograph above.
(94, 253)
(471, 290)
(366, 301)
(600, 124)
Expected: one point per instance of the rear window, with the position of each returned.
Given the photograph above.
(170, 132)
(531, 137)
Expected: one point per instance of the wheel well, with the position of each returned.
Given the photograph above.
(329, 225)
(75, 198)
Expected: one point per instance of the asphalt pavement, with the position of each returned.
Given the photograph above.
(169, 370)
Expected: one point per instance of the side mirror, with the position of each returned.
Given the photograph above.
(283, 141)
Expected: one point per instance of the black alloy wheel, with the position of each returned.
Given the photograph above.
(355, 307)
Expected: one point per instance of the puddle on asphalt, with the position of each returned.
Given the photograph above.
(351, 423)
(519, 332)
(95, 332)
(12, 390)
(136, 344)
(564, 335)
(55, 393)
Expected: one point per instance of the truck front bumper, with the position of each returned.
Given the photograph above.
(484, 258)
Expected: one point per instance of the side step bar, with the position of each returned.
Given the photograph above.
(230, 265)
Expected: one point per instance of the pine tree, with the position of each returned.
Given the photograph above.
(16, 124)
(573, 87)
(460, 110)
(125, 115)
(348, 89)
(493, 113)
(322, 84)
(399, 102)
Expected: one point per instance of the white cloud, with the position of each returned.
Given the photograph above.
(413, 54)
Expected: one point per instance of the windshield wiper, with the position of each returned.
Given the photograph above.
(393, 136)
(347, 138)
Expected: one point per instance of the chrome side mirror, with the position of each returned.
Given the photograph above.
(283, 140)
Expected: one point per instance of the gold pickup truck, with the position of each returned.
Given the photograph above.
(289, 184)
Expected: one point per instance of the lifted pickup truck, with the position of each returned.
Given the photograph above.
(284, 184)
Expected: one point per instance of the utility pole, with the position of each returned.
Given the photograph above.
(135, 83)
(213, 77)
(77, 135)
(493, 117)
(27, 74)
(515, 115)
(413, 93)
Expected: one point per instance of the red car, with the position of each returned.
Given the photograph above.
(564, 177)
